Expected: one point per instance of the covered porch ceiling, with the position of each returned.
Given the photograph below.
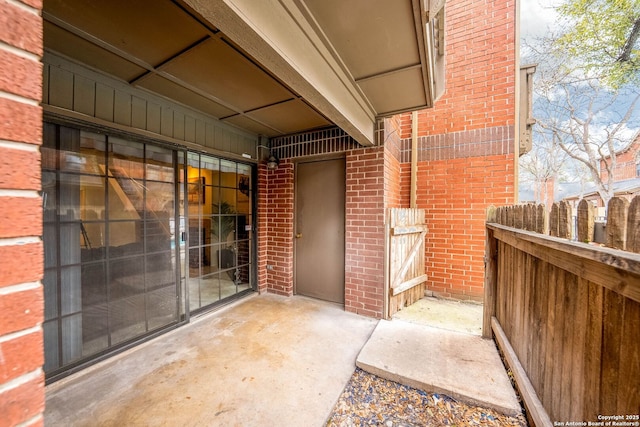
(272, 67)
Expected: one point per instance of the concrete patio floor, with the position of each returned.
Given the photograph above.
(272, 360)
(444, 314)
(265, 360)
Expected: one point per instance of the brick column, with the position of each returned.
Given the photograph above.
(262, 222)
(364, 232)
(275, 219)
(21, 253)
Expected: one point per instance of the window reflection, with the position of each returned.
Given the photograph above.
(219, 222)
(109, 236)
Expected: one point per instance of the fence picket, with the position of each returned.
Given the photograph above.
(623, 221)
(617, 223)
(554, 220)
(542, 220)
(585, 221)
(633, 226)
(564, 220)
(569, 312)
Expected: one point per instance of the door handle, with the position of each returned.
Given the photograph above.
(298, 235)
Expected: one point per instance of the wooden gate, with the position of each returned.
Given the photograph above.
(406, 277)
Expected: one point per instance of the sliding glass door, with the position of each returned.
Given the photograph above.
(219, 194)
(111, 276)
(136, 237)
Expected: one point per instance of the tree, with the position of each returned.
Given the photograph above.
(586, 121)
(600, 37)
(544, 163)
(586, 88)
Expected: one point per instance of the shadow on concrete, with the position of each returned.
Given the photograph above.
(265, 360)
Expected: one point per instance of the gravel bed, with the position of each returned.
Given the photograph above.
(368, 400)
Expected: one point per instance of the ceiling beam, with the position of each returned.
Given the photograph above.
(277, 35)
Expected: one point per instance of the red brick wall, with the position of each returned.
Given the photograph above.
(626, 162)
(393, 197)
(21, 255)
(275, 225)
(466, 144)
(364, 231)
(455, 194)
(480, 70)
(466, 163)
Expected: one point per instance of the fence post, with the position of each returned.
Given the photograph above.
(542, 220)
(554, 219)
(528, 217)
(633, 226)
(519, 217)
(585, 221)
(564, 220)
(490, 277)
(617, 223)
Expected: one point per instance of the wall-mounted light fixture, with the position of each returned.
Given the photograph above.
(272, 162)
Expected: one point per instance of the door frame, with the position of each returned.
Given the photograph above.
(310, 159)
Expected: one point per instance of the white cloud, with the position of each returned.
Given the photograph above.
(536, 17)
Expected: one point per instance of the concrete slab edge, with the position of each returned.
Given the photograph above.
(431, 388)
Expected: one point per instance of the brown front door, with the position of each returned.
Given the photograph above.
(319, 231)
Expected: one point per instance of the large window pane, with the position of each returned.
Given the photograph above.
(95, 329)
(94, 290)
(227, 229)
(49, 196)
(209, 290)
(160, 270)
(109, 210)
(161, 307)
(92, 191)
(82, 152)
(50, 284)
(228, 176)
(69, 198)
(126, 278)
(95, 320)
(158, 236)
(126, 159)
(126, 198)
(127, 318)
(70, 292)
(92, 151)
(244, 254)
(51, 345)
(125, 238)
(243, 204)
(50, 243)
(160, 200)
(227, 201)
(210, 170)
(70, 241)
(243, 278)
(222, 229)
(159, 164)
(71, 338)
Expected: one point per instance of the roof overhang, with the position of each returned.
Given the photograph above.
(273, 67)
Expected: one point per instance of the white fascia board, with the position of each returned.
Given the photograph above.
(277, 35)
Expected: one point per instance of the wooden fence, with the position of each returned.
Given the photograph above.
(622, 227)
(406, 278)
(566, 314)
